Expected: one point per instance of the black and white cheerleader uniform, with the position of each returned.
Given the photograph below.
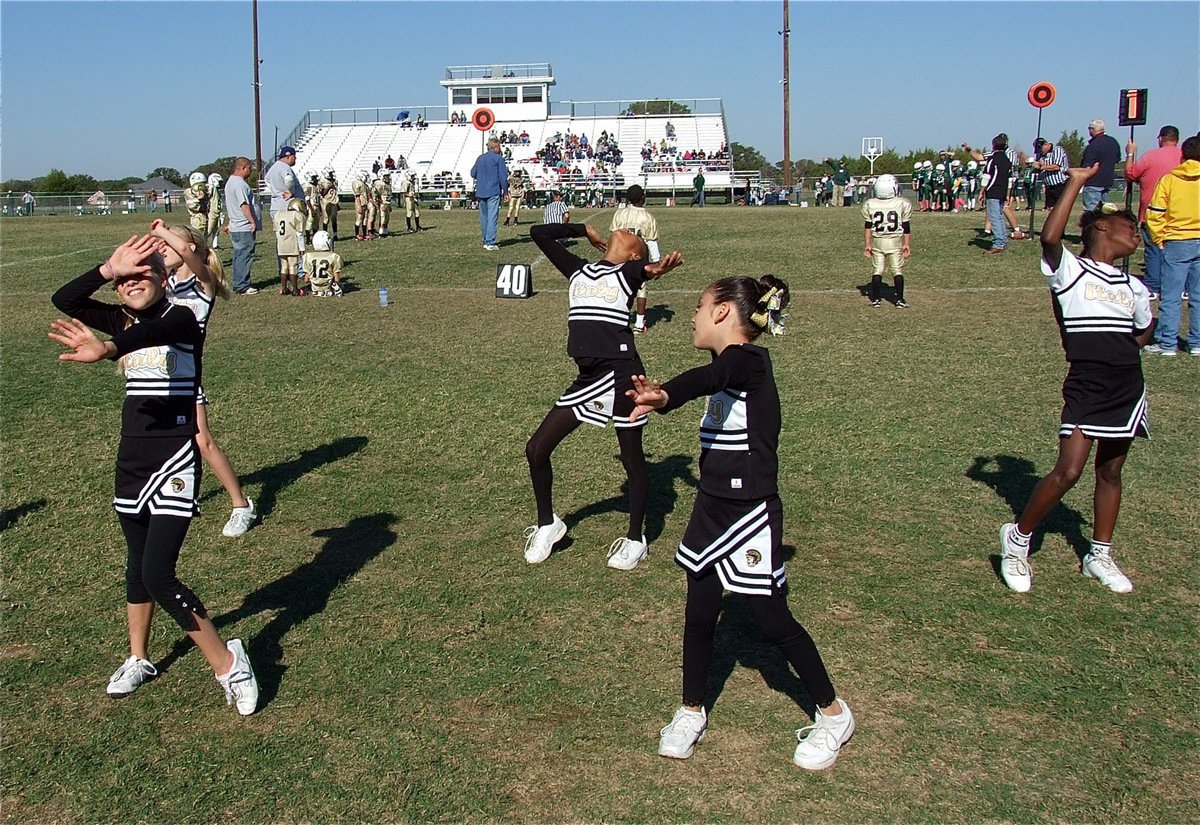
(734, 537)
(737, 521)
(1100, 310)
(158, 462)
(598, 335)
(189, 292)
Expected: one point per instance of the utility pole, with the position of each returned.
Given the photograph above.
(787, 104)
(257, 106)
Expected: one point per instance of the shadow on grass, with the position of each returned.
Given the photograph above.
(11, 515)
(278, 477)
(659, 314)
(887, 292)
(660, 501)
(737, 640)
(1013, 479)
(300, 595)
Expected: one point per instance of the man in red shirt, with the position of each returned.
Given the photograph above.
(1147, 172)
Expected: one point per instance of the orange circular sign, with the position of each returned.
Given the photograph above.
(483, 119)
(1041, 95)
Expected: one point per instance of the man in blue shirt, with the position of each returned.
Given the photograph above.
(491, 185)
(1105, 150)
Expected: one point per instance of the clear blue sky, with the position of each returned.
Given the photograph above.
(118, 88)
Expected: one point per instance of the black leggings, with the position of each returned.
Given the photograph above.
(557, 425)
(775, 621)
(154, 543)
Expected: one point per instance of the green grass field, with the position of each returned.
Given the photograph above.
(414, 668)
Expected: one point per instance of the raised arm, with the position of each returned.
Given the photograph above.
(1052, 231)
(191, 258)
(547, 237)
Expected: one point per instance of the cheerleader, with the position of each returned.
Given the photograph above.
(733, 539)
(1104, 319)
(159, 346)
(600, 341)
(197, 279)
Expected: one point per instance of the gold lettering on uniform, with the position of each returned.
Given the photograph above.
(602, 291)
(1099, 292)
(154, 359)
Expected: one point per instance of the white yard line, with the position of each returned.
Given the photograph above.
(52, 257)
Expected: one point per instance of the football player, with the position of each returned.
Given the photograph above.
(887, 235)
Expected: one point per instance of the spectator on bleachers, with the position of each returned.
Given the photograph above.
(670, 130)
(454, 118)
(389, 162)
(524, 137)
(421, 122)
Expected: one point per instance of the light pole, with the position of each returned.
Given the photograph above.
(787, 104)
(257, 107)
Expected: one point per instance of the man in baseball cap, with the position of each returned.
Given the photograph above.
(1104, 150)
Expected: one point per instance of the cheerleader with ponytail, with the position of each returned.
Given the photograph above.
(733, 539)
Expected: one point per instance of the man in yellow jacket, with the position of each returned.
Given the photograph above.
(1173, 220)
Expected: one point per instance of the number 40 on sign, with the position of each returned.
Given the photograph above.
(513, 281)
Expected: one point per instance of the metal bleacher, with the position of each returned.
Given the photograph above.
(446, 147)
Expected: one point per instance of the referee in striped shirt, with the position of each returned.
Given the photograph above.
(1051, 164)
(556, 211)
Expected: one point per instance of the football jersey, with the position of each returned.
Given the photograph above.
(289, 229)
(643, 223)
(1099, 310)
(320, 266)
(887, 216)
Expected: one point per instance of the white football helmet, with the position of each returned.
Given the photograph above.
(916, 166)
(214, 180)
(365, 176)
(321, 241)
(886, 186)
(954, 164)
(328, 172)
(972, 165)
(927, 164)
(196, 178)
(941, 167)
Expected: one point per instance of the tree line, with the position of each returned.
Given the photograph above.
(748, 159)
(56, 181)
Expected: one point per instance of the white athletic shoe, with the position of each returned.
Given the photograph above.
(1158, 349)
(1100, 565)
(240, 520)
(678, 740)
(539, 541)
(130, 676)
(625, 553)
(1014, 561)
(821, 742)
(239, 683)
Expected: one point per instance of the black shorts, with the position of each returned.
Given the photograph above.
(1105, 402)
(1053, 193)
(741, 539)
(159, 474)
(597, 395)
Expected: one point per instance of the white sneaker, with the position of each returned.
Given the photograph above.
(625, 553)
(130, 676)
(821, 741)
(1158, 349)
(1100, 565)
(1014, 561)
(539, 541)
(240, 520)
(239, 683)
(678, 740)
(638, 329)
